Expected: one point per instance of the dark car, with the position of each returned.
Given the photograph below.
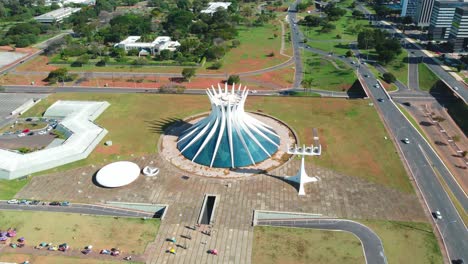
(31, 133)
(35, 202)
(457, 261)
(54, 203)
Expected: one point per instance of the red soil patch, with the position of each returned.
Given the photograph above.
(149, 82)
(283, 77)
(40, 63)
(17, 79)
(23, 50)
(108, 150)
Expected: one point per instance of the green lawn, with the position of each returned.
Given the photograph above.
(427, 78)
(325, 75)
(256, 44)
(297, 245)
(399, 67)
(344, 28)
(131, 235)
(8, 189)
(407, 242)
(339, 48)
(404, 242)
(248, 56)
(352, 135)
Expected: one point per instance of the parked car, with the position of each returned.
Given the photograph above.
(65, 203)
(31, 133)
(21, 134)
(54, 203)
(42, 132)
(13, 201)
(35, 202)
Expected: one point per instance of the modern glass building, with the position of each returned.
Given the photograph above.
(229, 137)
(408, 8)
(422, 17)
(442, 17)
(459, 30)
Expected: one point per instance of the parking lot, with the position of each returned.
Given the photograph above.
(11, 101)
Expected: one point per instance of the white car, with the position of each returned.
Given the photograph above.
(21, 135)
(455, 88)
(13, 201)
(437, 215)
(406, 140)
(42, 132)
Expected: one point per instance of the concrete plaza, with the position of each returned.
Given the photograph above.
(335, 195)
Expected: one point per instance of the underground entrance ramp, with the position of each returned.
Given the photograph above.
(208, 209)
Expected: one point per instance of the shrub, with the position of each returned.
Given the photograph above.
(389, 77)
(216, 65)
(233, 79)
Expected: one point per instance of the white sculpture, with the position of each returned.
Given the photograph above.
(150, 171)
(301, 177)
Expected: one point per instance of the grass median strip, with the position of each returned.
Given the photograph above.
(413, 122)
(456, 203)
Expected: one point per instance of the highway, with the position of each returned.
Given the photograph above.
(458, 87)
(371, 243)
(89, 209)
(423, 163)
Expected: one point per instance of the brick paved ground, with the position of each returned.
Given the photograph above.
(335, 195)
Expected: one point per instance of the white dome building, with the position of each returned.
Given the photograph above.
(229, 137)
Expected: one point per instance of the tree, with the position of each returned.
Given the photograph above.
(357, 14)
(328, 27)
(307, 83)
(59, 75)
(349, 53)
(389, 77)
(188, 73)
(233, 79)
(406, 21)
(312, 21)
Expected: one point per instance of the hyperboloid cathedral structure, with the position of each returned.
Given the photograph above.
(229, 137)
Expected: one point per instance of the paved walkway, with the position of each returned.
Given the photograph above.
(335, 195)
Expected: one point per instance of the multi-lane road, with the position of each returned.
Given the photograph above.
(424, 164)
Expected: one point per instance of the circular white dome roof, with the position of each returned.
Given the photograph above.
(118, 174)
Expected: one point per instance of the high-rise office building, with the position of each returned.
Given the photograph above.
(408, 7)
(458, 35)
(441, 18)
(422, 16)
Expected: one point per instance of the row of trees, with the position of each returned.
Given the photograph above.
(387, 48)
(201, 35)
(25, 34)
(21, 10)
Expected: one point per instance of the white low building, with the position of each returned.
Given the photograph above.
(214, 6)
(68, 2)
(57, 16)
(159, 44)
(77, 120)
